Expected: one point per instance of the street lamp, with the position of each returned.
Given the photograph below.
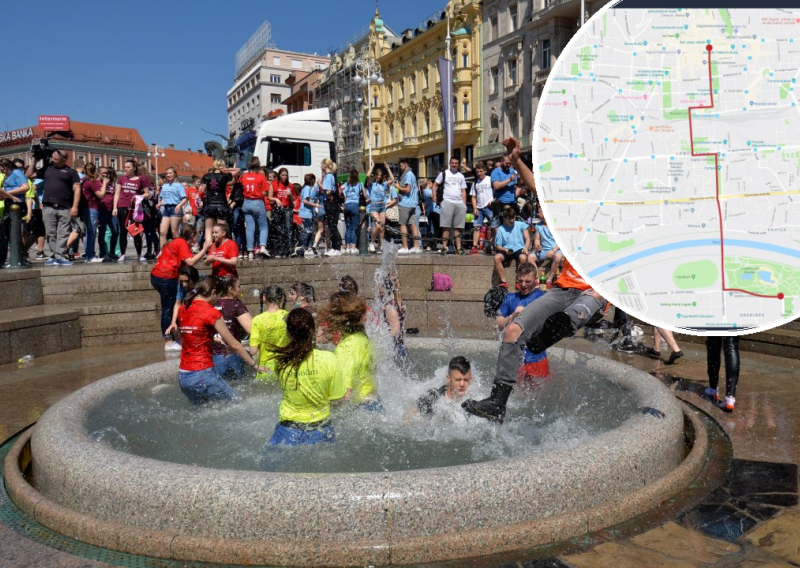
(368, 71)
(155, 150)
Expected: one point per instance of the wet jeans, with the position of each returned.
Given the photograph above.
(255, 212)
(168, 290)
(205, 386)
(351, 220)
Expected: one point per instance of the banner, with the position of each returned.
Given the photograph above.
(446, 81)
(53, 123)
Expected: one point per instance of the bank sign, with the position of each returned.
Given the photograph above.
(15, 135)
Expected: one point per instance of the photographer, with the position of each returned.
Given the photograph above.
(62, 193)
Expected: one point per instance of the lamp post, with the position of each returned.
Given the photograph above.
(155, 150)
(368, 70)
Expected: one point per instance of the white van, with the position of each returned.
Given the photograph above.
(298, 142)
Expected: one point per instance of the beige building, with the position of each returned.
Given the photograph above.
(521, 41)
(406, 111)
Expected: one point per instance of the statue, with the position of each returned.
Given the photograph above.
(214, 149)
(349, 56)
(494, 126)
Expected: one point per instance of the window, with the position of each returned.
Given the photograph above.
(469, 153)
(493, 26)
(427, 122)
(98, 161)
(391, 134)
(426, 77)
(465, 107)
(276, 60)
(512, 72)
(112, 163)
(374, 101)
(275, 99)
(494, 80)
(412, 86)
(82, 158)
(376, 140)
(546, 54)
(297, 63)
(464, 60)
(287, 153)
(402, 89)
(513, 121)
(389, 93)
(413, 127)
(512, 17)
(274, 78)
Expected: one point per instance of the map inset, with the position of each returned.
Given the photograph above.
(667, 145)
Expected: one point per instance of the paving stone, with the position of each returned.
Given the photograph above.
(613, 555)
(678, 542)
(781, 536)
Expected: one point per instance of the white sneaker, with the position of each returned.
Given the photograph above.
(172, 346)
(371, 247)
(415, 250)
(121, 258)
(403, 251)
(332, 252)
(94, 260)
(142, 258)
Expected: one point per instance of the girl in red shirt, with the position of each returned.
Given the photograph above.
(199, 321)
(282, 209)
(223, 254)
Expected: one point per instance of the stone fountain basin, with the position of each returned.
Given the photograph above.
(134, 504)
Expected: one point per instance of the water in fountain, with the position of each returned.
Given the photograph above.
(571, 405)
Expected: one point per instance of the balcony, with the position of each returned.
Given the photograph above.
(497, 149)
(511, 90)
(541, 76)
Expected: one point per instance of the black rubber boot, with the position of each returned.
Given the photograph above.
(492, 408)
(556, 327)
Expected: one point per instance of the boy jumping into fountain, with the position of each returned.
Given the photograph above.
(559, 314)
(457, 383)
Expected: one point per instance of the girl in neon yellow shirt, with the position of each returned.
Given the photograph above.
(268, 330)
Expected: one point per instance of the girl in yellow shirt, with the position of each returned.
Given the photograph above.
(268, 330)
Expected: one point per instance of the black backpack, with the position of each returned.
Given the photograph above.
(492, 300)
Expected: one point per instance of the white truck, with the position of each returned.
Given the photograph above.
(297, 141)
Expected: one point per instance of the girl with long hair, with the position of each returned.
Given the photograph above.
(223, 254)
(268, 329)
(353, 191)
(282, 199)
(309, 205)
(330, 190)
(213, 190)
(199, 322)
(344, 316)
(92, 190)
(238, 320)
(164, 277)
(171, 199)
(307, 377)
(105, 219)
(381, 196)
(126, 189)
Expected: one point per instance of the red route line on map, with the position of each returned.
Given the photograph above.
(780, 296)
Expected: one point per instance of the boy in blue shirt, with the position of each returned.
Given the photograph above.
(511, 242)
(545, 248)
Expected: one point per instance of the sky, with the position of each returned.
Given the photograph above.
(162, 67)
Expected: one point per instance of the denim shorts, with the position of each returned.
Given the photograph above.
(284, 435)
(483, 214)
(205, 386)
(377, 207)
(170, 211)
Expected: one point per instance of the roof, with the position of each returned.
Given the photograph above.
(89, 134)
(186, 163)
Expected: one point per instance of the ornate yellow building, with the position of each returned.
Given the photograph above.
(406, 111)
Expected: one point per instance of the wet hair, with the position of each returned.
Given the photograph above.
(273, 295)
(353, 179)
(526, 268)
(207, 286)
(300, 329)
(348, 284)
(254, 165)
(188, 233)
(226, 283)
(223, 227)
(345, 313)
(304, 290)
(460, 364)
(310, 180)
(190, 272)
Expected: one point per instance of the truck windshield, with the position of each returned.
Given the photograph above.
(287, 153)
(244, 153)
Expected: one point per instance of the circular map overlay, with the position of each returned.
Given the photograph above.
(667, 160)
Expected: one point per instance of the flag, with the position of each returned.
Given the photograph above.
(446, 81)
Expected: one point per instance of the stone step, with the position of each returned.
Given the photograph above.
(110, 338)
(20, 288)
(100, 297)
(37, 331)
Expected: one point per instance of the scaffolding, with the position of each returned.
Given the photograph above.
(254, 47)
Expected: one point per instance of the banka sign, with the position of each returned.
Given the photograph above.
(14, 135)
(53, 123)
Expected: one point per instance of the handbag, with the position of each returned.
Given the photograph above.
(133, 228)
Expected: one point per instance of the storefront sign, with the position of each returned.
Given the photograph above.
(16, 135)
(53, 123)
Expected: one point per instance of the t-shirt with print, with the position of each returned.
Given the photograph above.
(228, 249)
(268, 330)
(231, 309)
(171, 259)
(453, 184)
(197, 333)
(284, 193)
(352, 193)
(482, 190)
(380, 193)
(128, 189)
(216, 186)
(254, 184)
(511, 238)
(307, 392)
(410, 199)
(510, 303)
(172, 193)
(58, 184)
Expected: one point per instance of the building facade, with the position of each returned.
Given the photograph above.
(302, 84)
(521, 41)
(261, 87)
(406, 111)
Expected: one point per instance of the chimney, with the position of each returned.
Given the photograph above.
(189, 150)
(172, 146)
(200, 152)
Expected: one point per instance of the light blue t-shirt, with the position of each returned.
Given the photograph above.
(329, 185)
(511, 238)
(351, 192)
(410, 199)
(545, 237)
(16, 180)
(508, 193)
(430, 205)
(380, 193)
(173, 193)
(309, 194)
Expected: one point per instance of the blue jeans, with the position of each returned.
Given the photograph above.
(309, 228)
(237, 229)
(284, 435)
(90, 217)
(255, 212)
(229, 367)
(168, 290)
(205, 386)
(351, 220)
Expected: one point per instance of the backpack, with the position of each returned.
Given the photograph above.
(137, 216)
(441, 282)
(492, 301)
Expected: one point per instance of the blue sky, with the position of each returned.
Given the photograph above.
(162, 67)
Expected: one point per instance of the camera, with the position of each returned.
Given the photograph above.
(41, 150)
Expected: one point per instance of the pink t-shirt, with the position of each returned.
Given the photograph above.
(128, 188)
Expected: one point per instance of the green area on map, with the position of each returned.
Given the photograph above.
(671, 113)
(762, 277)
(546, 167)
(605, 244)
(695, 275)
